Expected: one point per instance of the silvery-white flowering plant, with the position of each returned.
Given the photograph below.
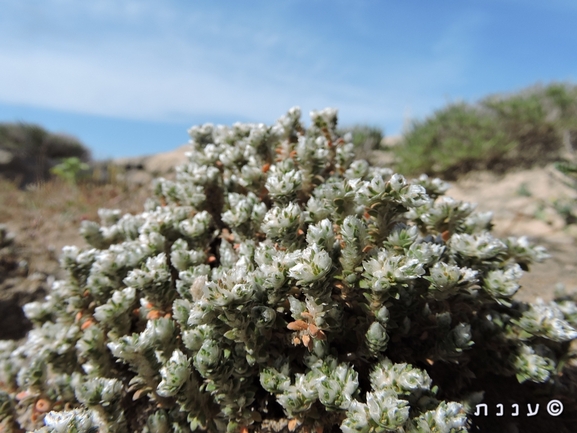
(277, 278)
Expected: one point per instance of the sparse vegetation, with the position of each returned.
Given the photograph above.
(70, 170)
(532, 127)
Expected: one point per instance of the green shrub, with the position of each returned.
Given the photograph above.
(70, 169)
(498, 133)
(278, 280)
(365, 139)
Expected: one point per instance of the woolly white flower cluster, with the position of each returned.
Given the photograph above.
(277, 277)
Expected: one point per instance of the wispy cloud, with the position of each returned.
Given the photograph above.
(166, 61)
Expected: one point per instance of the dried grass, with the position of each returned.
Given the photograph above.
(47, 216)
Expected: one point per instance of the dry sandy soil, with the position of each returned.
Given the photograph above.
(522, 205)
(43, 220)
(46, 218)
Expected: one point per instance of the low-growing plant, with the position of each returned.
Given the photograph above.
(497, 133)
(70, 170)
(278, 281)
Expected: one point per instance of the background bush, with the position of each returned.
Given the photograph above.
(532, 127)
(30, 151)
(365, 139)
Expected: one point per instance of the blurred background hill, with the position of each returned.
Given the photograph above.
(28, 152)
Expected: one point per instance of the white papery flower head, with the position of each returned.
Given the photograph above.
(482, 246)
(313, 264)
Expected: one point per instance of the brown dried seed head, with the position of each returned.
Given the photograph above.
(22, 395)
(292, 424)
(265, 167)
(137, 394)
(446, 235)
(297, 325)
(307, 341)
(43, 405)
(321, 335)
(313, 329)
(153, 315)
(296, 341)
(87, 324)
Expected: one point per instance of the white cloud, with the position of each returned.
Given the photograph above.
(145, 60)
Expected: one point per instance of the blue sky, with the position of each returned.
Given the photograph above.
(129, 77)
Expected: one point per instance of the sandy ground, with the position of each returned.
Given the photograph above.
(43, 220)
(522, 205)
